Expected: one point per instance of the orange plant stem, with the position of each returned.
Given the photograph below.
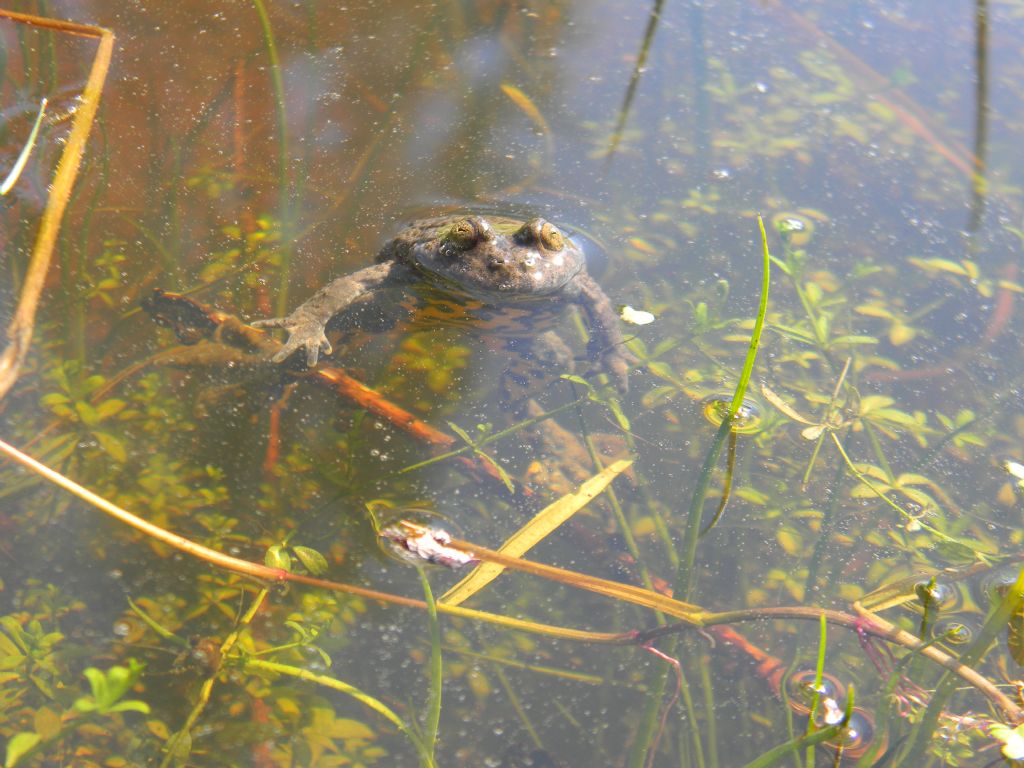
(266, 573)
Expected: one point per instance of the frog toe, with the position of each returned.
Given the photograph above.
(284, 353)
(618, 367)
(270, 322)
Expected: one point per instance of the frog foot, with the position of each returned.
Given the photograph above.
(302, 334)
(617, 362)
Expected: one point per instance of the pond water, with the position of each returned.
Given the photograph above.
(243, 155)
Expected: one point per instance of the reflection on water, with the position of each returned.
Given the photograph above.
(245, 165)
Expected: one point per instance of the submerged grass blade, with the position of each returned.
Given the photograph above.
(688, 550)
(653, 19)
(755, 335)
(30, 142)
(436, 670)
(284, 185)
(535, 531)
(819, 672)
(378, 706)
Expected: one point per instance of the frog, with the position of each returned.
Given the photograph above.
(493, 259)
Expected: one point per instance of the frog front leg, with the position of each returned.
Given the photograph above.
(307, 325)
(606, 341)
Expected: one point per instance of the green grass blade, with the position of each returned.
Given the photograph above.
(436, 670)
(362, 697)
(755, 336)
(284, 185)
(19, 164)
(819, 673)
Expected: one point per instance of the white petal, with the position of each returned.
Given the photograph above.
(1015, 469)
(635, 316)
(1013, 748)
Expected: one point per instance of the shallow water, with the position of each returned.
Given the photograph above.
(880, 142)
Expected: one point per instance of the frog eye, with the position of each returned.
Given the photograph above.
(463, 235)
(540, 232)
(551, 238)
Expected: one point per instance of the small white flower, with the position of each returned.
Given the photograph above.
(1015, 469)
(635, 316)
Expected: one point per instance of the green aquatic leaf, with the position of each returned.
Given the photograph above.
(108, 688)
(1015, 634)
(962, 550)
(480, 454)
(277, 557)
(19, 746)
(894, 416)
(311, 560)
(794, 333)
(109, 408)
(852, 339)
(112, 445)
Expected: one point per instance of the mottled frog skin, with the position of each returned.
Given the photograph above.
(494, 259)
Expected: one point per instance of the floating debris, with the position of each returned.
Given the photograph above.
(635, 316)
(1016, 470)
(420, 544)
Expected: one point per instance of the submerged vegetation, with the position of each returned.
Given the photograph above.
(816, 557)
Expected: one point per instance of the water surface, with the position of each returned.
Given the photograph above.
(244, 165)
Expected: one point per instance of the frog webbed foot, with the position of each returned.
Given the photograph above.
(303, 333)
(616, 361)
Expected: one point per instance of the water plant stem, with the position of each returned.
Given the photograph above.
(284, 185)
(867, 624)
(492, 437)
(436, 669)
(819, 672)
(634, 80)
(266, 573)
(710, 722)
(997, 620)
(778, 754)
(881, 494)
(688, 550)
(755, 334)
(175, 750)
(258, 665)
